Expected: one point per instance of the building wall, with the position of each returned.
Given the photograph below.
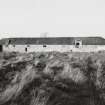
(61, 48)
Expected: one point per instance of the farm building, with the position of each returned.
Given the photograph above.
(62, 44)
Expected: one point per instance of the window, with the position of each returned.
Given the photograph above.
(28, 45)
(78, 43)
(44, 45)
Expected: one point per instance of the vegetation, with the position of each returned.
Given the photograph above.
(52, 78)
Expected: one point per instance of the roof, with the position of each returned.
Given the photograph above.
(54, 40)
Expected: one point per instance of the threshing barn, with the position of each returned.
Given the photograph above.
(62, 44)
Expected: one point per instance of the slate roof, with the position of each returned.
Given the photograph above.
(54, 40)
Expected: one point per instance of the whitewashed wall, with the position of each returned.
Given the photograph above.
(61, 48)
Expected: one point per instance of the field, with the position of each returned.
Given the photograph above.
(52, 78)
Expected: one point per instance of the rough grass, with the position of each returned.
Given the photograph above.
(52, 78)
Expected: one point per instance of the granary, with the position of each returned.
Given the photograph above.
(62, 44)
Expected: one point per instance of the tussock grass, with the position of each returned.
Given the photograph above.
(52, 78)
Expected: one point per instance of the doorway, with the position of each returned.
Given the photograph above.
(26, 49)
(1, 48)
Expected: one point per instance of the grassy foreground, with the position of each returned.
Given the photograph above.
(52, 78)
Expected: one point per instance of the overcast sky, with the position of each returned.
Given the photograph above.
(24, 18)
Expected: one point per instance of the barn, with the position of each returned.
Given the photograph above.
(62, 44)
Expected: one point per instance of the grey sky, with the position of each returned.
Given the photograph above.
(57, 17)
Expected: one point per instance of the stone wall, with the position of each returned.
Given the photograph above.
(61, 48)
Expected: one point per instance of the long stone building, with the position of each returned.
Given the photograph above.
(62, 44)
